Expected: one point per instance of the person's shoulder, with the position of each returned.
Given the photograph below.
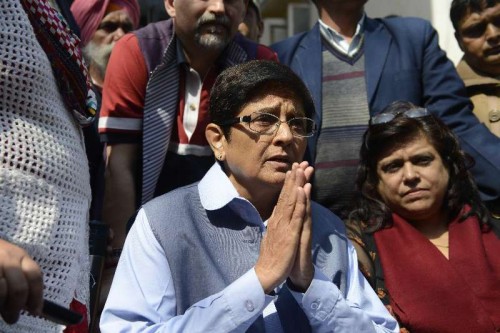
(173, 200)
(412, 32)
(289, 43)
(404, 20)
(156, 30)
(290, 40)
(255, 50)
(127, 41)
(126, 48)
(167, 214)
(325, 219)
(289, 48)
(321, 209)
(265, 53)
(406, 24)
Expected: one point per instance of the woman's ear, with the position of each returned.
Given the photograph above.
(216, 140)
(170, 7)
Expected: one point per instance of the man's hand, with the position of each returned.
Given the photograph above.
(281, 243)
(21, 284)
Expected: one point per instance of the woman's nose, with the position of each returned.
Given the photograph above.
(410, 173)
(283, 132)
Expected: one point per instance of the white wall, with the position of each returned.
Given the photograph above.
(441, 21)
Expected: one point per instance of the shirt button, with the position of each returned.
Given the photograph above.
(321, 315)
(249, 306)
(192, 107)
(315, 305)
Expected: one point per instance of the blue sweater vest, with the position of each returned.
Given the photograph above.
(208, 250)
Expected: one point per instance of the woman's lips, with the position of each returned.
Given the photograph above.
(281, 161)
(415, 192)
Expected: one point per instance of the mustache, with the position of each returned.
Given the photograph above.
(210, 18)
(493, 50)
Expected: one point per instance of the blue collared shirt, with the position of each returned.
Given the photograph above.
(142, 297)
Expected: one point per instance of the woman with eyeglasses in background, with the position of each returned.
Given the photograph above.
(424, 239)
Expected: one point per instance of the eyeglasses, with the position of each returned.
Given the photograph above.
(266, 123)
(383, 118)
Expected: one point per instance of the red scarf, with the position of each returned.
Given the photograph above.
(82, 327)
(429, 293)
(63, 51)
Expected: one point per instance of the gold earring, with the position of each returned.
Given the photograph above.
(219, 157)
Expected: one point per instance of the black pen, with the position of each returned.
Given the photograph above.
(59, 314)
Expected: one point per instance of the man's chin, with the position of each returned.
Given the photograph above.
(98, 55)
(213, 42)
(490, 67)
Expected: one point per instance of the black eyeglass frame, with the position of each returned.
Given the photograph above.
(248, 120)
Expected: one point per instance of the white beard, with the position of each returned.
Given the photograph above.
(98, 56)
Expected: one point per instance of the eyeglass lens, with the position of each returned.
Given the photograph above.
(268, 123)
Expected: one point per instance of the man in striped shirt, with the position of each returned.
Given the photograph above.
(155, 100)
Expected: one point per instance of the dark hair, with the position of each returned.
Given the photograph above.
(238, 84)
(460, 8)
(370, 208)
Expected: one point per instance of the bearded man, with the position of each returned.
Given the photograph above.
(102, 23)
(155, 102)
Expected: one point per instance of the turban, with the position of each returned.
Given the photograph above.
(89, 14)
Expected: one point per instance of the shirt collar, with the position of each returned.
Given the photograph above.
(181, 57)
(216, 192)
(338, 41)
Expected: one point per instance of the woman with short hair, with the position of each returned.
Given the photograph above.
(245, 249)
